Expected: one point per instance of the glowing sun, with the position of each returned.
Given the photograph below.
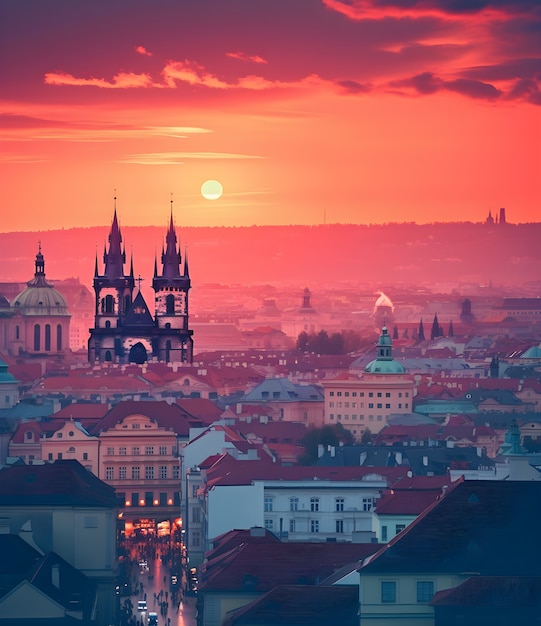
(211, 189)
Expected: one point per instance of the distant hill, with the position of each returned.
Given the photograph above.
(402, 254)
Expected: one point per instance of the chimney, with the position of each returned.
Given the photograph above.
(55, 575)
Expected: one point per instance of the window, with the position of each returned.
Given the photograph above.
(370, 394)
(293, 504)
(331, 393)
(339, 504)
(196, 515)
(314, 526)
(388, 591)
(291, 525)
(122, 451)
(149, 472)
(370, 405)
(379, 394)
(346, 393)
(331, 404)
(361, 394)
(367, 504)
(196, 538)
(122, 472)
(136, 472)
(339, 526)
(384, 533)
(269, 524)
(163, 471)
(48, 337)
(163, 450)
(387, 406)
(29, 435)
(136, 426)
(176, 472)
(135, 450)
(387, 395)
(314, 504)
(149, 450)
(85, 456)
(425, 590)
(380, 405)
(109, 473)
(267, 505)
(37, 338)
(399, 528)
(50, 456)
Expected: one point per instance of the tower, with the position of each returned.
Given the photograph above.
(124, 329)
(502, 216)
(171, 289)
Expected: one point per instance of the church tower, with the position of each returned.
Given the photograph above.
(171, 302)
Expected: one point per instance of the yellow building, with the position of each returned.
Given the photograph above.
(361, 402)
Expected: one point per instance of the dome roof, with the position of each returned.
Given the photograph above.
(40, 297)
(41, 301)
(384, 363)
(378, 366)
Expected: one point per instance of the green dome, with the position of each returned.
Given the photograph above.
(384, 363)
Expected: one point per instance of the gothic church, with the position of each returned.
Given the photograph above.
(124, 330)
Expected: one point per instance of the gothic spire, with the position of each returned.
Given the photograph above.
(171, 256)
(116, 257)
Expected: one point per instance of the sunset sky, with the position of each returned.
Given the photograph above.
(352, 111)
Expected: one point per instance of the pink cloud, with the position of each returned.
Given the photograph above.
(246, 57)
(120, 81)
(142, 50)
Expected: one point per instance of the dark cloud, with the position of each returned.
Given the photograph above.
(428, 83)
(8, 120)
(473, 89)
(352, 86)
(509, 70)
(460, 6)
(526, 89)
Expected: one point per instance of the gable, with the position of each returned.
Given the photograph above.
(26, 602)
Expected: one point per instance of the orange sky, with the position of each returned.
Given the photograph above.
(304, 110)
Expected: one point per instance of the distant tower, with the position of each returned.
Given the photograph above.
(466, 315)
(502, 216)
(451, 332)
(306, 306)
(490, 220)
(171, 302)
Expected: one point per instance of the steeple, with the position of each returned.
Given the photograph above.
(186, 270)
(171, 257)
(39, 272)
(115, 258)
(421, 331)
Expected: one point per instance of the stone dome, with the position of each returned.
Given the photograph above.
(40, 297)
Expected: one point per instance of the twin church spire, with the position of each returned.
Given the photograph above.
(124, 330)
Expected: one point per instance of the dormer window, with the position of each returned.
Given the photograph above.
(29, 435)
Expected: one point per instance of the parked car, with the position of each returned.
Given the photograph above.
(152, 619)
(142, 605)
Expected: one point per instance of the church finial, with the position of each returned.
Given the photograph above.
(96, 264)
(186, 270)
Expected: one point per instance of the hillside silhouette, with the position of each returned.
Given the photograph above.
(404, 254)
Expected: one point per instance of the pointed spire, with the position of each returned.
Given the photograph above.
(115, 258)
(96, 265)
(186, 270)
(131, 267)
(451, 332)
(155, 266)
(421, 331)
(171, 257)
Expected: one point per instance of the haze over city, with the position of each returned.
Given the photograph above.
(306, 112)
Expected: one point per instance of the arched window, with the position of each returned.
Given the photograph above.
(47, 337)
(17, 332)
(107, 324)
(168, 325)
(58, 337)
(109, 304)
(37, 338)
(170, 304)
(108, 356)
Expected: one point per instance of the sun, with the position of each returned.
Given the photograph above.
(211, 189)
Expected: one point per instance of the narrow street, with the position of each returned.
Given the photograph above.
(154, 573)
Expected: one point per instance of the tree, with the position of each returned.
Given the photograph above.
(328, 435)
(303, 341)
(366, 437)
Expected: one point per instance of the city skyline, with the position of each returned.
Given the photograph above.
(306, 113)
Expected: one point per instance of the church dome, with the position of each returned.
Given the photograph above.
(40, 297)
(384, 363)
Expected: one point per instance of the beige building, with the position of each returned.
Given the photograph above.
(366, 401)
